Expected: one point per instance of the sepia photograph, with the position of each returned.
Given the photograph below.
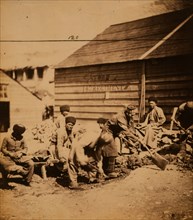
(96, 110)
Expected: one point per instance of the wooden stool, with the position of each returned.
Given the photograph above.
(44, 165)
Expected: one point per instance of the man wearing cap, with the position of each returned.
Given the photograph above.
(13, 156)
(122, 124)
(60, 121)
(153, 122)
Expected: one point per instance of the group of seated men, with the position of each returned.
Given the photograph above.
(91, 151)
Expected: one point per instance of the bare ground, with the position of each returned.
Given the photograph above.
(146, 193)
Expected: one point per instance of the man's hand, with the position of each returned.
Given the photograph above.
(141, 125)
(16, 155)
(122, 135)
(154, 125)
(83, 161)
(62, 160)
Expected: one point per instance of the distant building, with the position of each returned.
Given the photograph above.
(17, 104)
(126, 64)
(37, 79)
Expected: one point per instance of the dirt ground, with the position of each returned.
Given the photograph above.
(144, 193)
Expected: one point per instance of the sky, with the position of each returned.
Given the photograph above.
(32, 24)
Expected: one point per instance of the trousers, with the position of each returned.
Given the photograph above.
(23, 166)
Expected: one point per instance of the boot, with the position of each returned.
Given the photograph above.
(74, 186)
(112, 175)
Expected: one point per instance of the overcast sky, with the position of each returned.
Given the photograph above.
(31, 20)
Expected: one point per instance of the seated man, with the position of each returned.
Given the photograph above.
(83, 155)
(62, 140)
(152, 124)
(13, 155)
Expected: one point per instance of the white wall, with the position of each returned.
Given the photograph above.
(25, 108)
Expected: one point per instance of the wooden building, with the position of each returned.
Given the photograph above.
(126, 64)
(17, 104)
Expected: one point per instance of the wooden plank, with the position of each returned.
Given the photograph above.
(96, 88)
(101, 75)
(97, 95)
(95, 69)
(171, 93)
(170, 79)
(109, 78)
(94, 109)
(80, 84)
(115, 102)
(170, 86)
(94, 116)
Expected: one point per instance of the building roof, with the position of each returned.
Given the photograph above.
(5, 79)
(169, 34)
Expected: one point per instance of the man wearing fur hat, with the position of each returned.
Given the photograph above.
(13, 157)
(63, 137)
(60, 121)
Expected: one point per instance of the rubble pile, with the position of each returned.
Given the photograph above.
(45, 131)
(176, 148)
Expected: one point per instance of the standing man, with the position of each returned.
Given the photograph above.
(48, 107)
(14, 157)
(119, 126)
(185, 115)
(153, 122)
(108, 151)
(122, 124)
(83, 155)
(60, 121)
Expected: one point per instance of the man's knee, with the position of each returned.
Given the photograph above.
(30, 163)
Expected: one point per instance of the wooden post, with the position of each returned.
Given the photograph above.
(14, 74)
(43, 171)
(24, 76)
(35, 74)
(142, 98)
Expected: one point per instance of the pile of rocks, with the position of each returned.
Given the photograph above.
(45, 131)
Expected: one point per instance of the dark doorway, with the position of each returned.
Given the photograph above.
(4, 116)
